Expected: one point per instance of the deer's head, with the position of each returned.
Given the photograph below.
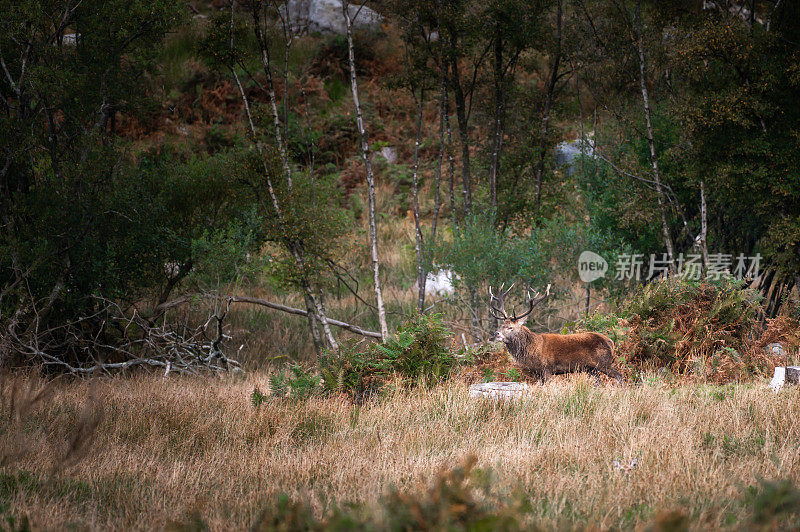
(510, 326)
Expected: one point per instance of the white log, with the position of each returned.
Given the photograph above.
(778, 379)
(784, 375)
(499, 390)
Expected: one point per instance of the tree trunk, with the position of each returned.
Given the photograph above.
(498, 111)
(316, 336)
(546, 108)
(703, 223)
(267, 67)
(373, 233)
(588, 299)
(662, 209)
(466, 181)
(437, 178)
(418, 245)
(475, 312)
(293, 247)
(463, 133)
(290, 245)
(451, 165)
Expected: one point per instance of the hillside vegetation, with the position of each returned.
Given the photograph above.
(162, 156)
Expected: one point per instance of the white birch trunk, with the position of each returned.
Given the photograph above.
(373, 233)
(296, 254)
(662, 209)
(418, 244)
(293, 248)
(703, 223)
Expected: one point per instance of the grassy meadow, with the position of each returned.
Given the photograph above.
(188, 453)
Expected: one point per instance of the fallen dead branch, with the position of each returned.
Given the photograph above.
(264, 303)
(112, 339)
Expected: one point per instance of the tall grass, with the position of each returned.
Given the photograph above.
(182, 449)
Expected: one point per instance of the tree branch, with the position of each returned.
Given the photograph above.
(269, 304)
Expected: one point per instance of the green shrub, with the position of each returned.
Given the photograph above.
(295, 382)
(257, 397)
(699, 328)
(354, 370)
(287, 515)
(609, 324)
(458, 499)
(417, 353)
(725, 301)
(464, 498)
(514, 375)
(420, 350)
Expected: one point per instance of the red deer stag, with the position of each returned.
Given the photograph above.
(543, 355)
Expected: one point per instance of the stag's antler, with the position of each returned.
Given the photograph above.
(499, 313)
(533, 301)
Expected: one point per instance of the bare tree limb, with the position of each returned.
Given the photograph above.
(299, 312)
(269, 304)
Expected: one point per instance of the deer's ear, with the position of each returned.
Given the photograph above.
(523, 320)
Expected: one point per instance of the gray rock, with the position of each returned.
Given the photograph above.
(439, 283)
(775, 349)
(499, 390)
(567, 152)
(388, 153)
(325, 16)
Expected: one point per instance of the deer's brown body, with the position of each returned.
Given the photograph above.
(542, 355)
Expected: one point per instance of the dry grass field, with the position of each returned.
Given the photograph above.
(187, 453)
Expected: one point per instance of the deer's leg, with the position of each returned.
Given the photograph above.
(545, 375)
(613, 373)
(595, 374)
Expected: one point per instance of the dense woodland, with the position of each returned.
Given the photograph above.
(165, 165)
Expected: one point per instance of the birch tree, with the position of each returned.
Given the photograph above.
(273, 206)
(366, 156)
(419, 248)
(637, 27)
(630, 45)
